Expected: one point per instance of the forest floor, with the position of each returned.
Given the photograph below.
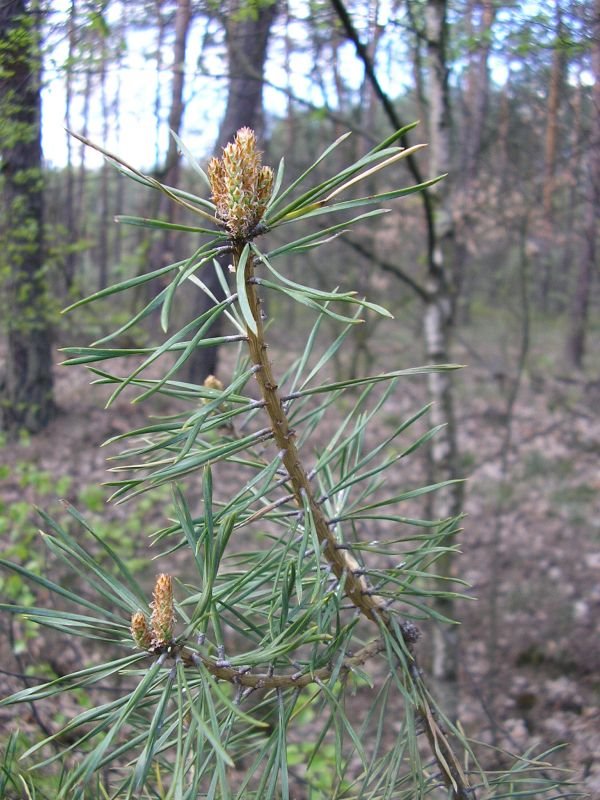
(529, 646)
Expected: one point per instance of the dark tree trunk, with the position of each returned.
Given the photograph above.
(70, 216)
(247, 39)
(579, 311)
(119, 189)
(368, 98)
(161, 27)
(27, 393)
(581, 296)
(477, 88)
(81, 194)
(163, 248)
(557, 73)
(476, 100)
(183, 17)
(103, 221)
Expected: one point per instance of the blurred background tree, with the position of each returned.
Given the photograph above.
(26, 382)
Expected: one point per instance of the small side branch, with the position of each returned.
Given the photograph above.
(386, 266)
(241, 676)
(391, 114)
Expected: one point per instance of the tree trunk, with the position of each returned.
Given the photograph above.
(581, 296)
(477, 90)
(437, 324)
(416, 46)
(70, 216)
(570, 218)
(554, 92)
(504, 127)
(368, 98)
(119, 189)
(247, 39)
(437, 295)
(160, 36)
(27, 400)
(103, 221)
(183, 18)
(81, 194)
(164, 248)
(477, 87)
(579, 311)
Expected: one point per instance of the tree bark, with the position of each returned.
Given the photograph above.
(554, 95)
(164, 249)
(477, 87)
(247, 39)
(160, 36)
(103, 222)
(437, 295)
(476, 101)
(81, 194)
(120, 184)
(183, 18)
(70, 216)
(437, 324)
(579, 311)
(368, 98)
(27, 400)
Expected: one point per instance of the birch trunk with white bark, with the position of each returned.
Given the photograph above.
(437, 326)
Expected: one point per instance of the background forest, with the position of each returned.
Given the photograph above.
(495, 267)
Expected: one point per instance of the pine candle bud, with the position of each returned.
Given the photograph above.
(212, 382)
(140, 631)
(241, 186)
(163, 612)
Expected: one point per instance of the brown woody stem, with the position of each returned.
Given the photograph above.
(299, 680)
(343, 564)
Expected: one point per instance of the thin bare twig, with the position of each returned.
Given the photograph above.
(391, 114)
(386, 266)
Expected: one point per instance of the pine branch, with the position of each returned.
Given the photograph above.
(343, 564)
(298, 680)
